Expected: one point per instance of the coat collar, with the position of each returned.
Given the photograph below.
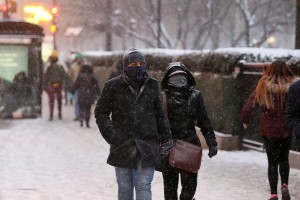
(137, 94)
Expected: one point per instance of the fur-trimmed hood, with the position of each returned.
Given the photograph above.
(279, 88)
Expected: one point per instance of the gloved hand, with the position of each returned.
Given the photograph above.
(165, 148)
(213, 150)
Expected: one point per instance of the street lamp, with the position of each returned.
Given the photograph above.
(271, 41)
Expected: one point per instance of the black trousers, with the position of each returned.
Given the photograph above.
(278, 156)
(188, 183)
(85, 111)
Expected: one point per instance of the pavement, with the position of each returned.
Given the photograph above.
(59, 160)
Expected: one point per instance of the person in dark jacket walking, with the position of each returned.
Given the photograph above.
(292, 111)
(136, 128)
(184, 108)
(87, 88)
(271, 95)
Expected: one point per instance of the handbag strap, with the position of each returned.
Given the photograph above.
(165, 106)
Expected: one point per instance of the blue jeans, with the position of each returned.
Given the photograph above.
(139, 178)
(76, 105)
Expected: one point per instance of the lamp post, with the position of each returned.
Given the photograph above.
(5, 10)
(108, 33)
(53, 28)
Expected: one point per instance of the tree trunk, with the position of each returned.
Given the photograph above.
(108, 33)
(297, 39)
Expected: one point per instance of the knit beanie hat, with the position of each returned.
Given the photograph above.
(54, 54)
(133, 55)
(79, 55)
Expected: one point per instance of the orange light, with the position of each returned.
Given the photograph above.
(4, 8)
(53, 28)
(54, 10)
(37, 14)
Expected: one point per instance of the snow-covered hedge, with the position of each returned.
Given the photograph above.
(218, 61)
(223, 93)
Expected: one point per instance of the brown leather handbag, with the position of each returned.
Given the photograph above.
(186, 156)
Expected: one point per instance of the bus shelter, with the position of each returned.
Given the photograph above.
(20, 69)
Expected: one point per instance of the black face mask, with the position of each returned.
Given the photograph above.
(136, 74)
(178, 81)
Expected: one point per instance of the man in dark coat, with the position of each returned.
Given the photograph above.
(136, 127)
(292, 111)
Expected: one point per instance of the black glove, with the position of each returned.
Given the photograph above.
(165, 148)
(212, 147)
(213, 150)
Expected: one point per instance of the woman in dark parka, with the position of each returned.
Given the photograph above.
(185, 109)
(88, 90)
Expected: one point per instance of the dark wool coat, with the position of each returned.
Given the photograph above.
(185, 114)
(88, 89)
(137, 123)
(272, 123)
(292, 112)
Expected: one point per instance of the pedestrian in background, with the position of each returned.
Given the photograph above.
(271, 95)
(117, 69)
(18, 95)
(292, 111)
(184, 107)
(87, 88)
(55, 76)
(73, 73)
(130, 117)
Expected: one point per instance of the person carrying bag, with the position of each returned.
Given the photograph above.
(184, 107)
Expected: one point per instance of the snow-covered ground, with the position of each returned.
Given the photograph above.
(58, 160)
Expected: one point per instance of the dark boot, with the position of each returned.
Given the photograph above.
(81, 123)
(59, 116)
(87, 121)
(51, 117)
(285, 192)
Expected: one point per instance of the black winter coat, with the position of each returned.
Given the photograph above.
(292, 111)
(88, 89)
(137, 124)
(185, 115)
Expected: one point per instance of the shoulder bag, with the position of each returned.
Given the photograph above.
(184, 155)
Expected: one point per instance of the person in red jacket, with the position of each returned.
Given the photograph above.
(271, 95)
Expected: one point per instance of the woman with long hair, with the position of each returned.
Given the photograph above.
(271, 95)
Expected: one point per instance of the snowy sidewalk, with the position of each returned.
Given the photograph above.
(58, 160)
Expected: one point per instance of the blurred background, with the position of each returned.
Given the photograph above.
(75, 25)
